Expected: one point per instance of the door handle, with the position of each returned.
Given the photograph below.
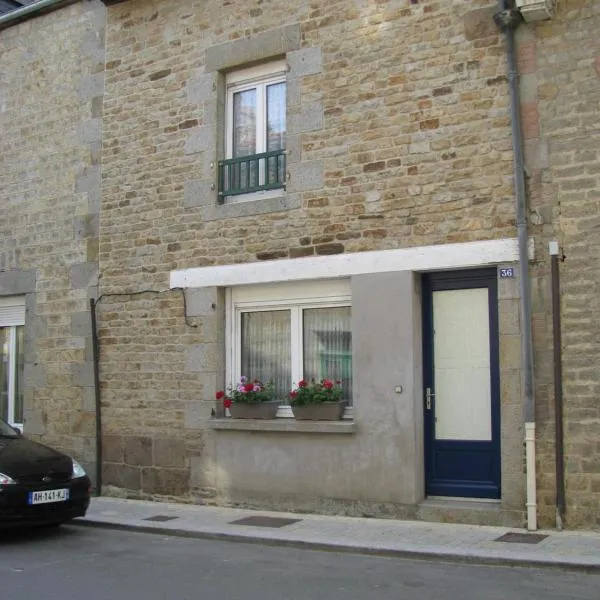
(428, 396)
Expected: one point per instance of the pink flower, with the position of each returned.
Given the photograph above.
(256, 387)
(328, 384)
(293, 394)
(302, 384)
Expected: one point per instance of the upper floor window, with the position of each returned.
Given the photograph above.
(255, 128)
(12, 359)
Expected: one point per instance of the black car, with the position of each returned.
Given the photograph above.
(38, 485)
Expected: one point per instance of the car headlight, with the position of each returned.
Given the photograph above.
(6, 480)
(78, 470)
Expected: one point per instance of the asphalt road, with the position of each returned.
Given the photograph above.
(74, 562)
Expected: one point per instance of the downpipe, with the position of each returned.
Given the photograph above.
(531, 483)
(555, 257)
(507, 20)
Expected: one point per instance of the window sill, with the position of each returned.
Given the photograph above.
(256, 206)
(283, 425)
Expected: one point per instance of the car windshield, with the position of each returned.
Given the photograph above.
(6, 430)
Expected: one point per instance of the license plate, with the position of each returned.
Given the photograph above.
(48, 496)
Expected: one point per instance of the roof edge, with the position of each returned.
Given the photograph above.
(31, 11)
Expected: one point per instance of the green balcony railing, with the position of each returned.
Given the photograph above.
(253, 173)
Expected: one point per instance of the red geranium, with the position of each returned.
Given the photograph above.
(220, 395)
(249, 387)
(316, 392)
(227, 403)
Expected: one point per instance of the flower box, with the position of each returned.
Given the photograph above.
(258, 410)
(249, 399)
(323, 411)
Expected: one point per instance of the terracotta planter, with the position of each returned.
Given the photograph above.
(260, 410)
(324, 411)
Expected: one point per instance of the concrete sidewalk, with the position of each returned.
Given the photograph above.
(411, 539)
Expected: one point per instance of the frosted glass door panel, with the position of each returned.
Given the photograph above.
(461, 350)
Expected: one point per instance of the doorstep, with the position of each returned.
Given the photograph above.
(469, 511)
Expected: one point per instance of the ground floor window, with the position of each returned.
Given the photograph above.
(285, 333)
(12, 359)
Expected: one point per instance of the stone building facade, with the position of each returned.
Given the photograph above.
(398, 202)
(51, 87)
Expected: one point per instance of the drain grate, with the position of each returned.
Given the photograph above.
(265, 521)
(160, 518)
(522, 538)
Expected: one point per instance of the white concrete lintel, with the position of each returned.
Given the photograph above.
(420, 258)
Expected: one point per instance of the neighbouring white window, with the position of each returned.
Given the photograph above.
(12, 359)
(282, 333)
(255, 131)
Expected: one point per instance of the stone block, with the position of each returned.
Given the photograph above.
(91, 86)
(167, 482)
(34, 376)
(18, 282)
(83, 374)
(169, 452)
(113, 449)
(307, 61)
(510, 351)
(196, 414)
(83, 275)
(509, 317)
(35, 423)
(308, 117)
(88, 402)
(202, 358)
(480, 24)
(86, 226)
(306, 176)
(201, 87)
(261, 206)
(200, 139)
(122, 476)
(84, 424)
(90, 179)
(138, 451)
(81, 324)
(90, 131)
(198, 192)
(202, 302)
(257, 47)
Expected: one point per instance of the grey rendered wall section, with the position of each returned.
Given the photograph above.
(378, 468)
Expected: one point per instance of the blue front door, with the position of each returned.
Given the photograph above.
(461, 384)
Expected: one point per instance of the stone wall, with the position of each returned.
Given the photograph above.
(399, 135)
(51, 87)
(562, 63)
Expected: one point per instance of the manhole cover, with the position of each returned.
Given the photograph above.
(160, 518)
(265, 521)
(522, 538)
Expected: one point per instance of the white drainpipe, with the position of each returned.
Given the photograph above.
(531, 484)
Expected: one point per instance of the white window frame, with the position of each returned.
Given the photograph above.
(257, 77)
(12, 315)
(294, 297)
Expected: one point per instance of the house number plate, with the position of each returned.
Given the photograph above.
(507, 273)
